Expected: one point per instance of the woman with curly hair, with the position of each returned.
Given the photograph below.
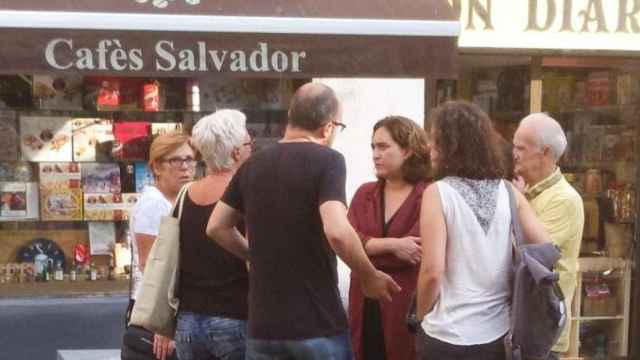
(385, 213)
(463, 295)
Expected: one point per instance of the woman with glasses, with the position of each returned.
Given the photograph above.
(172, 162)
(213, 286)
(386, 215)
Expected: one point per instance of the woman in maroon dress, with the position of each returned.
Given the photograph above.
(386, 215)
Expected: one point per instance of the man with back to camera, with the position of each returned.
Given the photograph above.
(292, 196)
(539, 142)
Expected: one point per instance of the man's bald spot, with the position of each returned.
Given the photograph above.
(313, 106)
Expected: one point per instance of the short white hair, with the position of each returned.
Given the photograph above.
(216, 136)
(548, 132)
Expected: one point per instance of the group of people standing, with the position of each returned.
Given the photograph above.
(259, 234)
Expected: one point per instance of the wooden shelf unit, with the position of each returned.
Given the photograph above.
(618, 325)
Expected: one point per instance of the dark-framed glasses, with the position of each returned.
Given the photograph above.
(339, 125)
(177, 161)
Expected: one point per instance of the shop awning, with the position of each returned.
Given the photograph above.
(238, 38)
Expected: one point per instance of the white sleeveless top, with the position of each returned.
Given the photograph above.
(474, 303)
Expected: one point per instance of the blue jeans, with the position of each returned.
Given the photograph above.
(200, 337)
(322, 348)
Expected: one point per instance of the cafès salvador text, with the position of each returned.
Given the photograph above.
(113, 55)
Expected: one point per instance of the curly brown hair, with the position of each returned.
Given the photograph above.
(409, 136)
(468, 144)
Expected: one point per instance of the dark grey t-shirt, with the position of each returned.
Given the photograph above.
(293, 277)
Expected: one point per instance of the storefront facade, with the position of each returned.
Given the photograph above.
(79, 78)
(578, 61)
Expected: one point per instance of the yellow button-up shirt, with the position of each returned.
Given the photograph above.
(560, 209)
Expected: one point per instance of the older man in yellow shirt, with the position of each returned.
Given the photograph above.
(538, 145)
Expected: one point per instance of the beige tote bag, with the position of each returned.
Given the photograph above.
(156, 305)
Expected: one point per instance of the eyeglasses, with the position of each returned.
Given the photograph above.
(178, 162)
(342, 126)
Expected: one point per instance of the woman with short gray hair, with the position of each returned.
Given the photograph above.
(219, 136)
(213, 284)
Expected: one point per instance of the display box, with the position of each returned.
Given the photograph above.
(8, 135)
(60, 191)
(101, 178)
(19, 201)
(45, 138)
(109, 207)
(92, 139)
(59, 92)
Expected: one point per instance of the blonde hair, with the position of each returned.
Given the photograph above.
(164, 145)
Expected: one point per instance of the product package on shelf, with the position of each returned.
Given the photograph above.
(20, 171)
(132, 140)
(59, 92)
(594, 143)
(512, 88)
(108, 207)
(92, 139)
(19, 201)
(60, 191)
(101, 178)
(558, 92)
(131, 94)
(573, 154)
(173, 93)
(45, 138)
(102, 238)
(127, 177)
(15, 92)
(165, 128)
(143, 176)
(612, 143)
(266, 94)
(8, 135)
(627, 89)
(101, 93)
(600, 88)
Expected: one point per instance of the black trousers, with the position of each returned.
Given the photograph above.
(430, 349)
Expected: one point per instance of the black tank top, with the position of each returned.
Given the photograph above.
(213, 281)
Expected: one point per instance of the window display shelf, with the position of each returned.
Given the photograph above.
(65, 288)
(587, 323)
(596, 318)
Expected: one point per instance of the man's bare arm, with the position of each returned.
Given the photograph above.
(347, 245)
(222, 229)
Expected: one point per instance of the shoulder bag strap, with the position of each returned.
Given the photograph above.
(515, 218)
(510, 347)
(180, 200)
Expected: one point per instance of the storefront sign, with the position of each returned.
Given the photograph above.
(549, 24)
(296, 38)
(114, 55)
(148, 53)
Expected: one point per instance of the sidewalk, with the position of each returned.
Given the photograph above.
(37, 328)
(89, 354)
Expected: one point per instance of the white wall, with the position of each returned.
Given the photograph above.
(364, 102)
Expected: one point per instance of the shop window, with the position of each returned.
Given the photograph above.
(73, 162)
